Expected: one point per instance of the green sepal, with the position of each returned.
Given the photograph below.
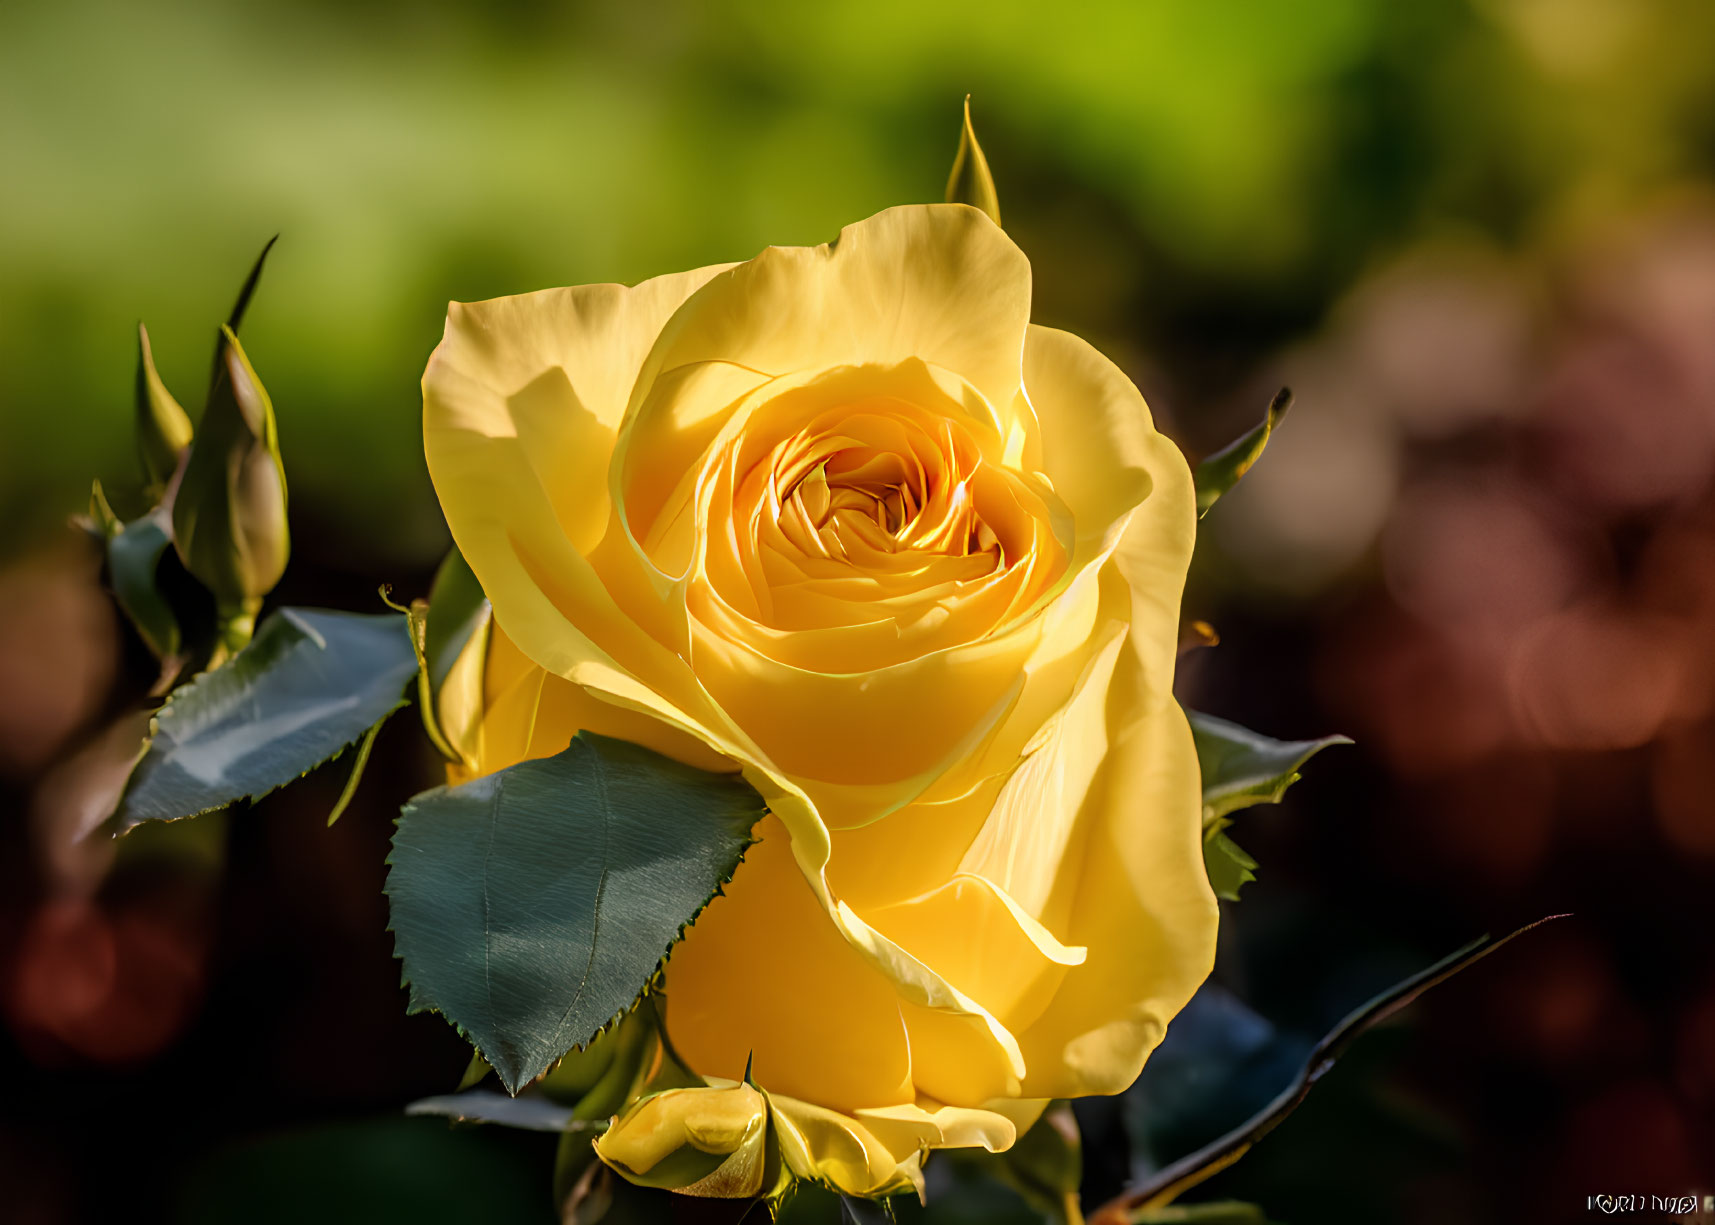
(777, 1177)
(134, 555)
(442, 627)
(246, 291)
(101, 521)
(229, 512)
(970, 182)
(309, 684)
(456, 607)
(533, 906)
(163, 429)
(355, 778)
(475, 1072)
(1222, 470)
(1229, 866)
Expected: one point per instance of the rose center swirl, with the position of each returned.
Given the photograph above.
(871, 531)
(849, 497)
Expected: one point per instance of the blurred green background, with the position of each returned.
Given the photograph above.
(1195, 182)
(1478, 238)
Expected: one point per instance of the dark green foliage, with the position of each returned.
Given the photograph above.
(1241, 768)
(310, 683)
(532, 906)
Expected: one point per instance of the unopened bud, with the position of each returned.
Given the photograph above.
(163, 430)
(229, 514)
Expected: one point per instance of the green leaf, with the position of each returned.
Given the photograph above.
(531, 907)
(1221, 471)
(1241, 767)
(1159, 1190)
(529, 1112)
(133, 560)
(1226, 862)
(310, 683)
(163, 430)
(970, 182)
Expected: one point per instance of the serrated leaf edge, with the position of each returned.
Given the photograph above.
(651, 985)
(119, 830)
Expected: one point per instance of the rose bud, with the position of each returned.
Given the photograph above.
(163, 430)
(229, 514)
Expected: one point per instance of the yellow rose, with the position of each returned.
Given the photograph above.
(843, 519)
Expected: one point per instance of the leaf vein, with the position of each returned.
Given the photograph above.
(599, 772)
(487, 927)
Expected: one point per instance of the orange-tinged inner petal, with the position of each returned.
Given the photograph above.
(864, 518)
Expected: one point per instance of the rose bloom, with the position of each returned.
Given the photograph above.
(842, 519)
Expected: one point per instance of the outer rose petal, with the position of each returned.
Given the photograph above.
(1132, 888)
(837, 1149)
(553, 369)
(520, 403)
(875, 1152)
(528, 713)
(936, 282)
(1141, 903)
(755, 975)
(1098, 442)
(980, 940)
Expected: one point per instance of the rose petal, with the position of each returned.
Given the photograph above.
(754, 977)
